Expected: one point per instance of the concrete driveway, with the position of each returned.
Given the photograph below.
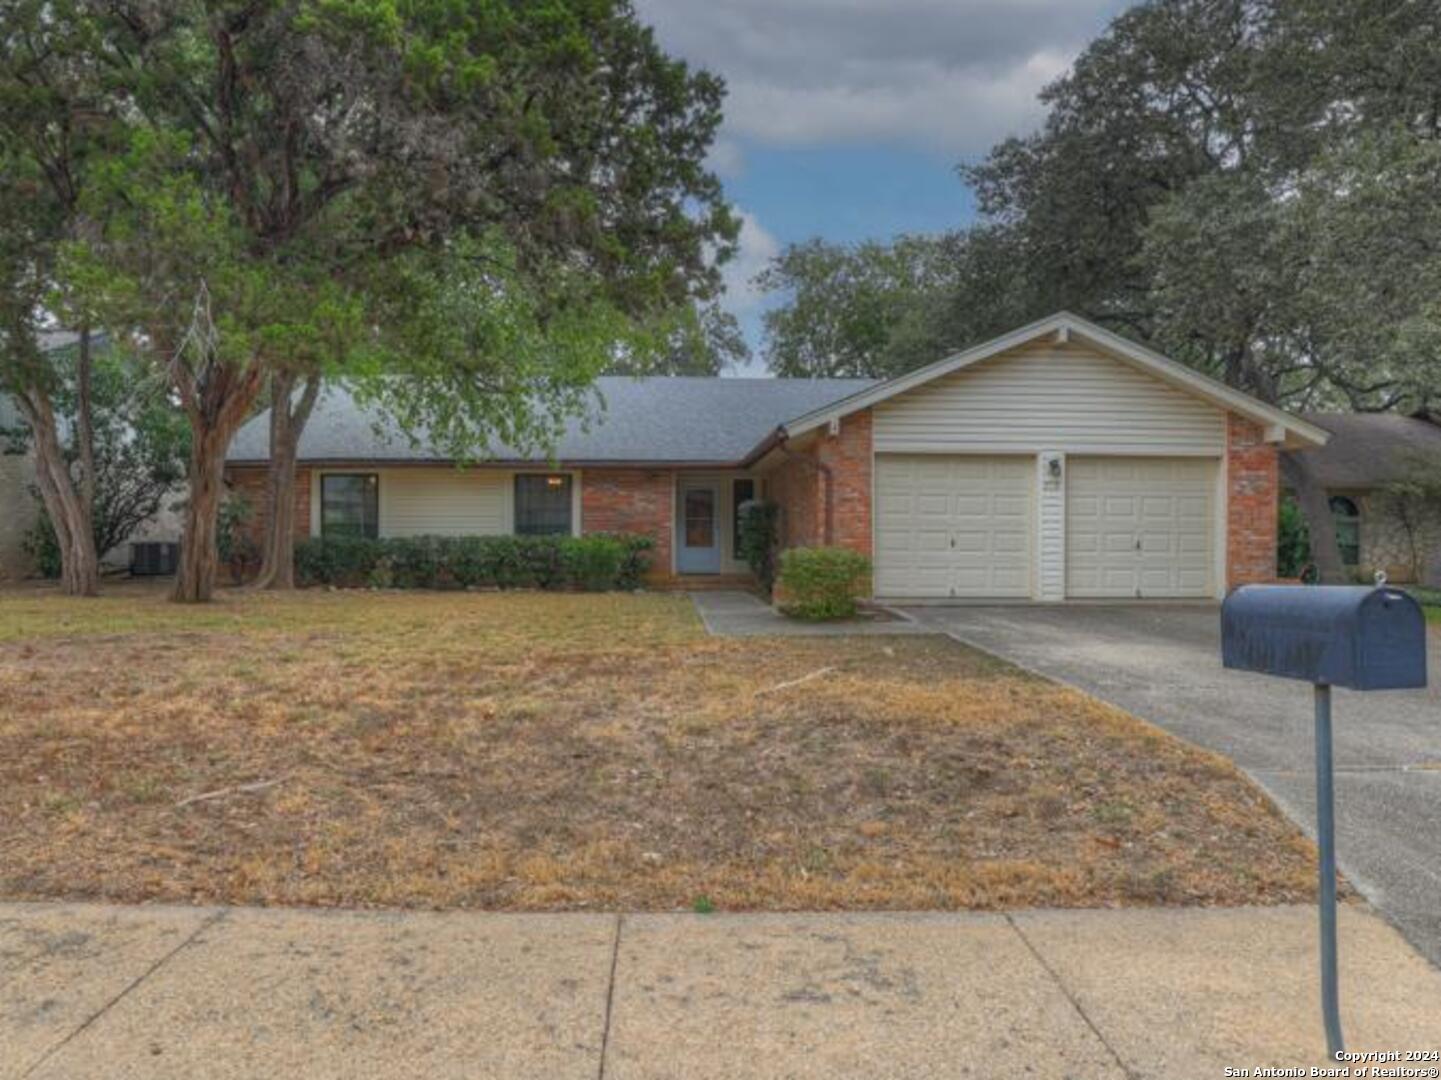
(1163, 664)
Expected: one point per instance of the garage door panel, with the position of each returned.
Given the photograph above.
(1140, 527)
(966, 532)
(931, 541)
(1015, 544)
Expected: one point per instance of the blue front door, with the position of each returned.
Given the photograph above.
(699, 550)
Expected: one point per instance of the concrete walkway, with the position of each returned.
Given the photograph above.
(92, 992)
(736, 613)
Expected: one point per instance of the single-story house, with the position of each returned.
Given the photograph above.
(1057, 462)
(1368, 452)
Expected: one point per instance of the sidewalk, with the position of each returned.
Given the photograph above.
(158, 993)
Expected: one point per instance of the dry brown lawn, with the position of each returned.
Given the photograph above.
(527, 751)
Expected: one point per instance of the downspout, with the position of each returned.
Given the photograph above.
(828, 486)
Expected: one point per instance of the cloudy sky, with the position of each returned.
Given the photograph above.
(846, 118)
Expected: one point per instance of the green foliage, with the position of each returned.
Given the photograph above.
(696, 340)
(594, 563)
(236, 548)
(1293, 540)
(822, 583)
(43, 548)
(635, 559)
(1253, 187)
(492, 199)
(140, 444)
(758, 540)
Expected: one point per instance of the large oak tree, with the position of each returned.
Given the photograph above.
(296, 166)
(55, 120)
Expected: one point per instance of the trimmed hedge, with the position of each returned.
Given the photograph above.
(594, 563)
(822, 583)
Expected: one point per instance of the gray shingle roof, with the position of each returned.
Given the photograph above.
(1369, 449)
(656, 419)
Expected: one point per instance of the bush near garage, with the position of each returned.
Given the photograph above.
(822, 583)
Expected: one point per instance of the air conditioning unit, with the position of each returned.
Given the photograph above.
(154, 558)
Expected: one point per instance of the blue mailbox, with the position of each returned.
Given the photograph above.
(1358, 637)
(1329, 635)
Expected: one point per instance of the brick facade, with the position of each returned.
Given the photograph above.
(1252, 503)
(794, 486)
(633, 501)
(249, 484)
(848, 457)
(824, 489)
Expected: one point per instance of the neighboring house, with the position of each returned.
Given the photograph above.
(1060, 461)
(1368, 451)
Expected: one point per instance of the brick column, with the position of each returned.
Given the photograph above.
(630, 501)
(1252, 494)
(848, 457)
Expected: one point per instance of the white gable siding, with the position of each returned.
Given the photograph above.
(1070, 398)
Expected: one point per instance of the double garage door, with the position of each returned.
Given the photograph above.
(965, 527)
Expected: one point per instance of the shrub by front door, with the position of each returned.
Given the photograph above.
(699, 528)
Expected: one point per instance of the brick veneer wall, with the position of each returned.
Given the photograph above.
(1253, 491)
(848, 456)
(824, 489)
(634, 501)
(249, 484)
(795, 487)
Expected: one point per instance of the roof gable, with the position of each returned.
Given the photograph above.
(1062, 328)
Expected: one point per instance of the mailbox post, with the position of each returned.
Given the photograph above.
(1353, 636)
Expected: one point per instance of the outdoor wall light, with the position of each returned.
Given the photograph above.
(1053, 468)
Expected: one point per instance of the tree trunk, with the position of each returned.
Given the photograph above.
(85, 425)
(287, 424)
(199, 551)
(68, 513)
(1316, 508)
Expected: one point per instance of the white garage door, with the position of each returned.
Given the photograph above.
(953, 526)
(1140, 527)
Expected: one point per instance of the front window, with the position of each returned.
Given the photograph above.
(1347, 517)
(350, 505)
(542, 504)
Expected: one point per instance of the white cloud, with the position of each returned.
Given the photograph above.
(958, 113)
(947, 75)
(755, 248)
(727, 159)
